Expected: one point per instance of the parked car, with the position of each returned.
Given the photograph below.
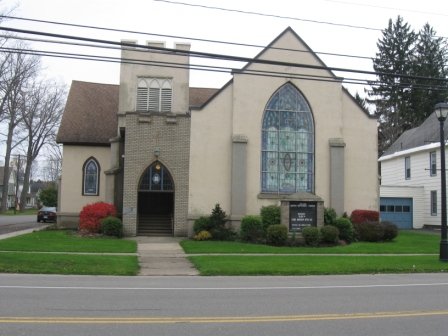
(46, 214)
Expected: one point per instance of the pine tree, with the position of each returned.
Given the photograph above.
(430, 61)
(391, 94)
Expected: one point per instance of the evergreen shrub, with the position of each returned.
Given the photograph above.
(251, 229)
(311, 236)
(329, 234)
(112, 226)
(277, 235)
(270, 215)
(346, 231)
(329, 216)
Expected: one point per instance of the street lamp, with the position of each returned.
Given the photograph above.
(441, 110)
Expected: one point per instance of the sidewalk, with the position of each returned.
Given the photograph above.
(162, 256)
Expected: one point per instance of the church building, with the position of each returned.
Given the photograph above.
(165, 153)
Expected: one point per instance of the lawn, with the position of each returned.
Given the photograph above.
(60, 252)
(356, 258)
(66, 241)
(407, 242)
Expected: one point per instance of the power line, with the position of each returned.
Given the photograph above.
(181, 37)
(219, 69)
(217, 56)
(267, 15)
(271, 15)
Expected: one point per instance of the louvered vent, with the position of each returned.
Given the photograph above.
(166, 100)
(142, 99)
(154, 100)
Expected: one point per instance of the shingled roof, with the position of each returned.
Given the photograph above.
(428, 132)
(90, 115)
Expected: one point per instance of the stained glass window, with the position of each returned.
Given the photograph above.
(287, 154)
(91, 177)
(156, 178)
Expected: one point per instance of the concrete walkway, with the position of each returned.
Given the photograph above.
(163, 256)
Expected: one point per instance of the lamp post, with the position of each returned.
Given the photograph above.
(441, 110)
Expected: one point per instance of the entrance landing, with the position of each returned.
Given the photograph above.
(163, 256)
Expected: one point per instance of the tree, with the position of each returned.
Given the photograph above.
(429, 62)
(18, 71)
(41, 116)
(411, 78)
(391, 94)
(49, 196)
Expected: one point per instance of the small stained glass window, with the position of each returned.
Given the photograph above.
(91, 177)
(287, 158)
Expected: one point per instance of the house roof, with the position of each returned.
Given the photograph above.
(428, 132)
(90, 115)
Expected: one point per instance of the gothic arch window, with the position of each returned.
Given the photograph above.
(154, 94)
(91, 177)
(287, 153)
(156, 178)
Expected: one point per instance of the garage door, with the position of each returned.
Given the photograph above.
(397, 210)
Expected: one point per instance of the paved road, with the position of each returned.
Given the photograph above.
(414, 304)
(10, 224)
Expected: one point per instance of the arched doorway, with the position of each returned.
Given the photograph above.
(155, 202)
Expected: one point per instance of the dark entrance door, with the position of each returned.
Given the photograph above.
(156, 202)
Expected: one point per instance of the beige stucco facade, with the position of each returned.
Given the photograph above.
(71, 199)
(212, 152)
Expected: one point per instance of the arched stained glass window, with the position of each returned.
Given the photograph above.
(156, 178)
(91, 181)
(287, 153)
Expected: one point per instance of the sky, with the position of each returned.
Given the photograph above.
(327, 26)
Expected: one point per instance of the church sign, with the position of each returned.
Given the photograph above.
(302, 214)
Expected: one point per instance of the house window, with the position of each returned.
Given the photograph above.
(287, 153)
(91, 181)
(154, 94)
(407, 167)
(433, 163)
(433, 202)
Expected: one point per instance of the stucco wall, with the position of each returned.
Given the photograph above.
(72, 200)
(238, 110)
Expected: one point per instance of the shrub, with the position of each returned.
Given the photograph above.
(361, 216)
(112, 226)
(251, 229)
(270, 215)
(329, 216)
(390, 231)
(329, 234)
(370, 231)
(277, 235)
(91, 215)
(346, 231)
(311, 235)
(201, 224)
(202, 235)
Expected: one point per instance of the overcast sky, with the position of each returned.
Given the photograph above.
(170, 18)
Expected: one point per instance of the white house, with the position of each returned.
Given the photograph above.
(410, 177)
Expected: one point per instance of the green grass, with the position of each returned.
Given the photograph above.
(19, 213)
(315, 265)
(406, 242)
(66, 241)
(21, 259)
(41, 263)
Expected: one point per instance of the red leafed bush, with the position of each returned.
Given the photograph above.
(91, 215)
(362, 216)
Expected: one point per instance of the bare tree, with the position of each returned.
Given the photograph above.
(53, 164)
(41, 116)
(19, 69)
